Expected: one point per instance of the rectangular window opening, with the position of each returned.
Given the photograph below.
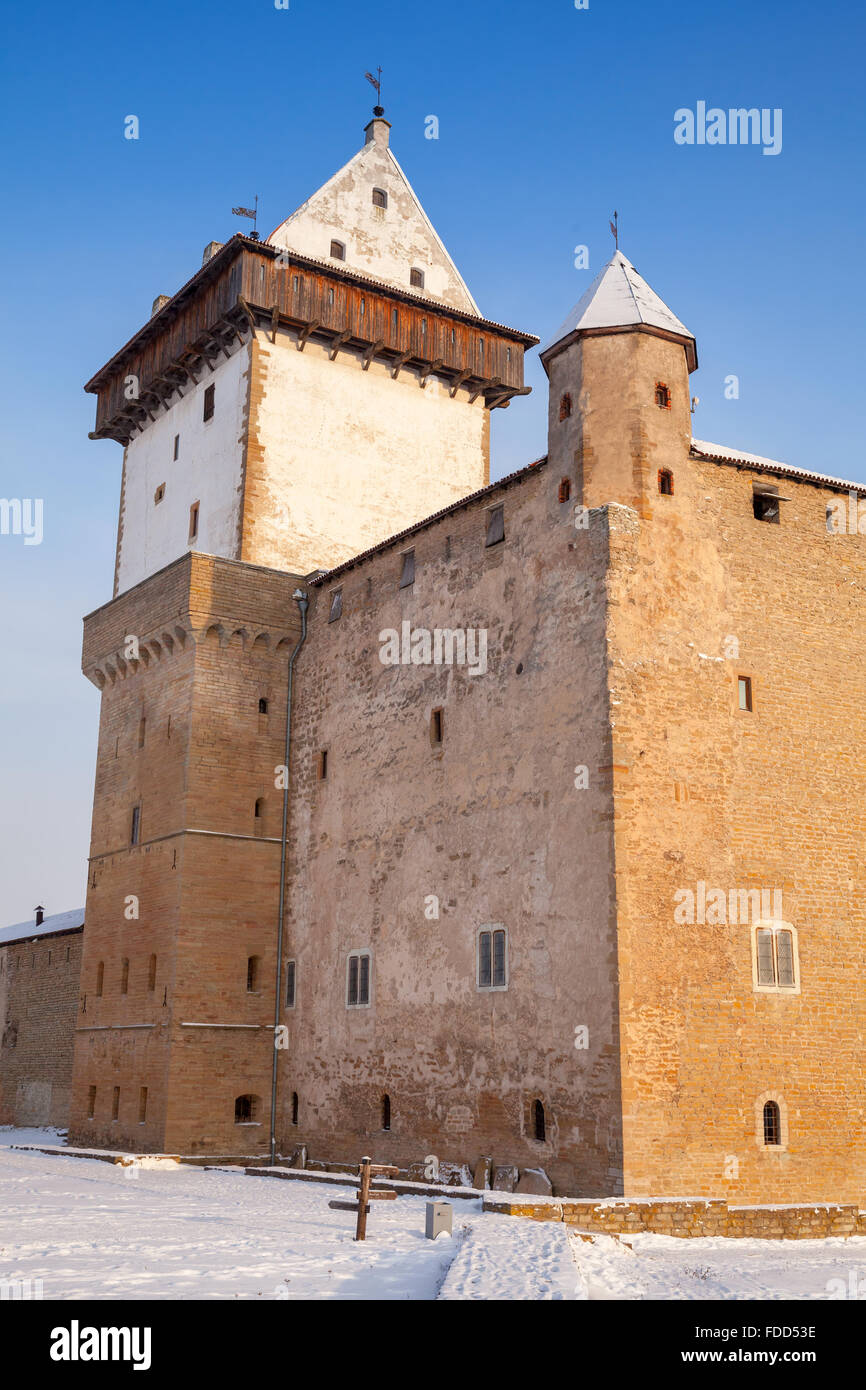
(407, 573)
(495, 526)
(209, 398)
(744, 692)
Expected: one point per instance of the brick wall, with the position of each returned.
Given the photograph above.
(38, 998)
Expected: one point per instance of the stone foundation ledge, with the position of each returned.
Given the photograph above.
(688, 1217)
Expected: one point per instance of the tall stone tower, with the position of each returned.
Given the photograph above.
(296, 402)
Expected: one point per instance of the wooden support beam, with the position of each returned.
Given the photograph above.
(337, 342)
(306, 333)
(368, 357)
(458, 382)
(275, 320)
(483, 386)
(428, 368)
(398, 363)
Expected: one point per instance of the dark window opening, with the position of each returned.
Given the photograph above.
(159, 494)
(565, 489)
(176, 446)
(358, 983)
(91, 1102)
(663, 395)
(142, 1105)
(495, 526)
(772, 1123)
(323, 765)
(336, 610)
(209, 397)
(193, 521)
(380, 198)
(115, 1103)
(744, 692)
(124, 977)
(253, 964)
(565, 405)
(666, 482)
(135, 826)
(416, 278)
(407, 573)
(259, 807)
(246, 1109)
(765, 506)
(538, 1125)
(290, 984)
(436, 726)
(294, 1107)
(263, 705)
(386, 1112)
(338, 251)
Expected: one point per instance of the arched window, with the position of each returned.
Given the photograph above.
(565, 406)
(386, 1112)
(666, 482)
(260, 807)
(263, 705)
(247, 1110)
(564, 489)
(338, 251)
(538, 1126)
(253, 965)
(772, 1123)
(100, 978)
(294, 1107)
(380, 198)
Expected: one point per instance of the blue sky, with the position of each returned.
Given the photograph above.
(550, 117)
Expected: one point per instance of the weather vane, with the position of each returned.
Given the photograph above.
(377, 83)
(614, 227)
(252, 213)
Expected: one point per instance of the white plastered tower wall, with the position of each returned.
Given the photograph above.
(384, 243)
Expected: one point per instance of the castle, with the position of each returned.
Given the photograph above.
(353, 888)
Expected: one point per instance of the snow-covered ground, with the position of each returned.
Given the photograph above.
(94, 1230)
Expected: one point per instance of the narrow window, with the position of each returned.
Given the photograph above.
(508, 354)
(336, 609)
(259, 807)
(766, 966)
(424, 328)
(744, 691)
(142, 730)
(495, 526)
(295, 284)
(358, 980)
(492, 964)
(481, 350)
(100, 978)
(785, 959)
(386, 1112)
(380, 198)
(363, 306)
(498, 959)
(323, 764)
(416, 278)
(772, 1123)
(209, 395)
(338, 252)
(666, 482)
(176, 451)
(485, 962)
(193, 521)
(294, 1107)
(330, 298)
(663, 396)
(159, 494)
(291, 973)
(538, 1121)
(564, 489)
(91, 1102)
(124, 976)
(436, 727)
(565, 405)
(142, 1105)
(151, 974)
(253, 974)
(115, 1103)
(244, 1109)
(407, 573)
(263, 705)
(765, 506)
(135, 826)
(775, 958)
(394, 319)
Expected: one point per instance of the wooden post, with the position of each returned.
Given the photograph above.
(363, 1193)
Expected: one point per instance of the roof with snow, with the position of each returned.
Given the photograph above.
(721, 453)
(51, 926)
(620, 298)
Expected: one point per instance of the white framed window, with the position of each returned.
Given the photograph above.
(775, 958)
(359, 979)
(491, 957)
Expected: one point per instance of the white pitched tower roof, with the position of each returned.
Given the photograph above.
(618, 299)
(386, 243)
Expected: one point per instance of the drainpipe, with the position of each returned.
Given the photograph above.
(303, 603)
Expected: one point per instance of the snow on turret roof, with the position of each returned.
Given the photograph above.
(617, 298)
(57, 922)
